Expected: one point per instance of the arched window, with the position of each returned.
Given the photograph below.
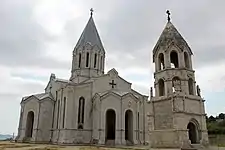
(174, 59)
(95, 61)
(186, 60)
(87, 59)
(161, 88)
(64, 111)
(79, 60)
(161, 61)
(176, 84)
(190, 86)
(81, 113)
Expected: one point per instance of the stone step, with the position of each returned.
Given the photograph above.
(110, 142)
(129, 143)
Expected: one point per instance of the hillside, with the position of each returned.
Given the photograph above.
(5, 136)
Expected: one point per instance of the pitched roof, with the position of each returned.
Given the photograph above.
(170, 34)
(119, 93)
(39, 96)
(90, 35)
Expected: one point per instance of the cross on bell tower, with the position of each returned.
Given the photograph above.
(168, 13)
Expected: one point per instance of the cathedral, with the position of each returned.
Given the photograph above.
(98, 107)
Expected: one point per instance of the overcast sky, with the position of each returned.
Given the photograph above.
(37, 39)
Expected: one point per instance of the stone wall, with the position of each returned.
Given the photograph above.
(163, 114)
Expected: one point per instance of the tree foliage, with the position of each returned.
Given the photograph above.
(216, 125)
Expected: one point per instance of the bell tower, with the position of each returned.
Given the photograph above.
(179, 113)
(88, 54)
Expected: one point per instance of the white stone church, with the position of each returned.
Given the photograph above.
(94, 107)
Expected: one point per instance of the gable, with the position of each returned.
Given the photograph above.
(29, 98)
(38, 97)
(130, 96)
(110, 94)
(110, 81)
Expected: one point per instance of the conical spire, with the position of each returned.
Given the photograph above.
(90, 35)
(170, 34)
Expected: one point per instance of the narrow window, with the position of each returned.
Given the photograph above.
(138, 126)
(64, 111)
(161, 88)
(57, 123)
(190, 86)
(174, 59)
(56, 97)
(95, 61)
(87, 59)
(79, 60)
(101, 63)
(186, 60)
(161, 61)
(81, 113)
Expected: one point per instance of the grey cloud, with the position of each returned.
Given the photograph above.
(134, 29)
(10, 108)
(22, 39)
(209, 55)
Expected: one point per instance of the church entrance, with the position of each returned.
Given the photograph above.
(129, 126)
(110, 125)
(192, 132)
(29, 124)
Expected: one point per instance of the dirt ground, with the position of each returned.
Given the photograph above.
(5, 145)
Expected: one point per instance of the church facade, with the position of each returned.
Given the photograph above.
(94, 107)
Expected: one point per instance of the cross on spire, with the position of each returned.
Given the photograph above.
(168, 13)
(91, 10)
(112, 84)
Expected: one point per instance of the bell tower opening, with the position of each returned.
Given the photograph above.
(174, 60)
(190, 86)
(176, 84)
(161, 61)
(161, 87)
(186, 60)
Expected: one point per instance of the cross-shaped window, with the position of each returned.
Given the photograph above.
(112, 83)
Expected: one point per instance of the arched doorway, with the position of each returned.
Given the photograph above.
(29, 124)
(129, 126)
(192, 133)
(110, 125)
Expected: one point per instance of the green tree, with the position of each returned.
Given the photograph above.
(221, 116)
